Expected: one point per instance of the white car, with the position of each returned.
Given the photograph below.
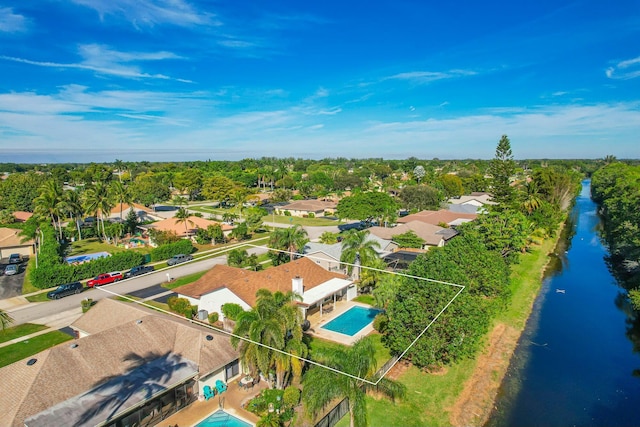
(11, 270)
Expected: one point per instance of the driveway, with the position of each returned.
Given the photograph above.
(11, 286)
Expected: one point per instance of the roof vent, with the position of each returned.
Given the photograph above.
(209, 337)
(74, 345)
(31, 362)
(139, 321)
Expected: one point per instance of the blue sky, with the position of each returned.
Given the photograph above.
(161, 80)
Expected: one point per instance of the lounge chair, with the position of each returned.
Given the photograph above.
(208, 392)
(220, 386)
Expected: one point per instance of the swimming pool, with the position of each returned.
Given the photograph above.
(79, 259)
(221, 418)
(353, 320)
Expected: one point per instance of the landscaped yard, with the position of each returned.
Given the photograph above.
(92, 245)
(14, 352)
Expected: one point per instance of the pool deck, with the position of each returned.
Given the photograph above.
(316, 329)
(234, 398)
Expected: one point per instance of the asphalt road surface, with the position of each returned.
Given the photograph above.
(34, 311)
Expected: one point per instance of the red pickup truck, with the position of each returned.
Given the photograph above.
(105, 279)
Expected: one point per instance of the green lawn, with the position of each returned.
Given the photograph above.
(185, 280)
(27, 287)
(41, 297)
(92, 245)
(20, 331)
(14, 352)
(316, 344)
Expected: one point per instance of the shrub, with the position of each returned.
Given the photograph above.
(86, 304)
(291, 396)
(182, 306)
(287, 213)
(232, 310)
(183, 246)
(213, 317)
(312, 215)
(380, 322)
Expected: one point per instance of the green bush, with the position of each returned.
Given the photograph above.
(312, 215)
(51, 271)
(291, 396)
(213, 317)
(163, 252)
(232, 310)
(380, 322)
(182, 306)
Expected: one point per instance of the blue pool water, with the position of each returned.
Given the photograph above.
(222, 419)
(79, 259)
(352, 321)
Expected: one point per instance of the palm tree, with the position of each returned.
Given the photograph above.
(290, 239)
(5, 319)
(120, 194)
(97, 202)
(275, 322)
(182, 216)
(48, 204)
(119, 164)
(532, 199)
(322, 386)
(358, 249)
(72, 206)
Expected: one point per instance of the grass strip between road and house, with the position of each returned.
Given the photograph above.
(431, 395)
(13, 353)
(20, 331)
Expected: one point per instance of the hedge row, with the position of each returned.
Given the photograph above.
(50, 274)
(163, 252)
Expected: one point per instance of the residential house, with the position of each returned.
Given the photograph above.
(474, 203)
(11, 243)
(22, 216)
(439, 217)
(182, 229)
(433, 235)
(303, 276)
(143, 213)
(303, 208)
(328, 256)
(131, 366)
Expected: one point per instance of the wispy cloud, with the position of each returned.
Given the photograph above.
(424, 77)
(106, 61)
(150, 13)
(624, 70)
(11, 22)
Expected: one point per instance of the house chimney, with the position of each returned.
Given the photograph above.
(297, 286)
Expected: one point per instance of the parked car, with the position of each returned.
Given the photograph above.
(11, 270)
(138, 270)
(177, 259)
(64, 290)
(15, 259)
(105, 279)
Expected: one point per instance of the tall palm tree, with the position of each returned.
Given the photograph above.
(290, 239)
(120, 195)
(98, 203)
(322, 386)
(72, 206)
(533, 199)
(182, 216)
(48, 203)
(358, 249)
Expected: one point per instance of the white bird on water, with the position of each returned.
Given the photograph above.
(560, 291)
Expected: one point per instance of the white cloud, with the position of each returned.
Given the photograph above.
(620, 71)
(149, 13)
(103, 60)
(424, 77)
(11, 22)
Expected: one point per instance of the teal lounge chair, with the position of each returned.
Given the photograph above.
(220, 386)
(208, 392)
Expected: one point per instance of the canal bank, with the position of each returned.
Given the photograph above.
(576, 362)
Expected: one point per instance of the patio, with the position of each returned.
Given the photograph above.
(317, 321)
(231, 401)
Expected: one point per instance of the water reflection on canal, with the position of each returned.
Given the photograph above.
(577, 362)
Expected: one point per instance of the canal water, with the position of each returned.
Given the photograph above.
(577, 362)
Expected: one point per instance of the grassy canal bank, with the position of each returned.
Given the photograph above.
(463, 393)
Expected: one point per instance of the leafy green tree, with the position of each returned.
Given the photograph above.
(501, 169)
(452, 185)
(19, 191)
(281, 195)
(366, 206)
(6, 217)
(132, 222)
(409, 240)
(358, 249)
(323, 386)
(149, 189)
(241, 232)
(421, 197)
(290, 239)
(219, 188)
